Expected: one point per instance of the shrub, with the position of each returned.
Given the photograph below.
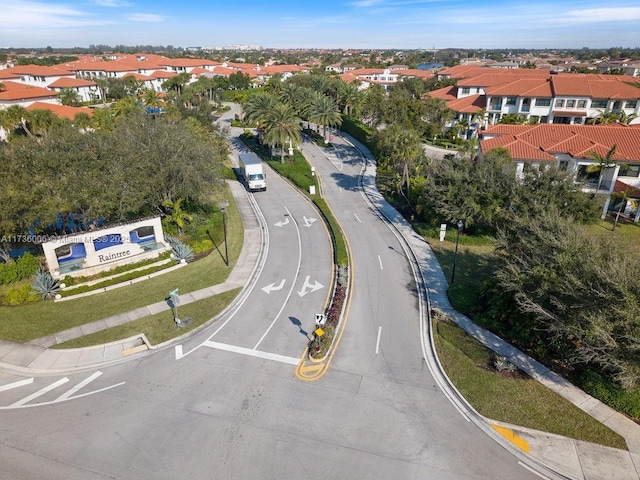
(181, 251)
(18, 295)
(501, 364)
(607, 391)
(201, 246)
(45, 284)
(24, 266)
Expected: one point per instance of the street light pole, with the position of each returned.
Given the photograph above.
(455, 254)
(223, 206)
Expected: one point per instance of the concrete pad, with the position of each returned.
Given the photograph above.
(112, 352)
(45, 342)
(66, 335)
(46, 359)
(556, 452)
(23, 356)
(6, 346)
(604, 463)
(157, 308)
(200, 294)
(90, 356)
(137, 314)
(116, 320)
(93, 327)
(68, 359)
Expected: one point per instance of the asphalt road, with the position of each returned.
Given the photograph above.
(231, 408)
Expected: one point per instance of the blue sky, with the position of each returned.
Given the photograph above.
(322, 23)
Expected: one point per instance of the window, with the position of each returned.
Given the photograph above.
(631, 104)
(526, 104)
(627, 170)
(544, 119)
(582, 104)
(599, 103)
(465, 90)
(577, 120)
(571, 103)
(559, 103)
(543, 102)
(511, 100)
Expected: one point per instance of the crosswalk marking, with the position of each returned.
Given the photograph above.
(253, 353)
(83, 383)
(40, 392)
(20, 383)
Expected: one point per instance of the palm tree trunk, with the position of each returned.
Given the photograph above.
(615, 223)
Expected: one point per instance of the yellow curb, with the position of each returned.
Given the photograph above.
(310, 371)
(514, 438)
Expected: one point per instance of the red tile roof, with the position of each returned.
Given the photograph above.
(61, 111)
(575, 140)
(71, 83)
(14, 91)
(39, 71)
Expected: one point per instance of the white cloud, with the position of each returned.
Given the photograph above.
(598, 15)
(146, 18)
(38, 14)
(112, 3)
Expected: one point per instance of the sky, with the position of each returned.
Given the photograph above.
(374, 24)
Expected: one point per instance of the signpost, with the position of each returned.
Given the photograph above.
(175, 301)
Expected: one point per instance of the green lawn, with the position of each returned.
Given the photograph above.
(520, 401)
(34, 320)
(160, 327)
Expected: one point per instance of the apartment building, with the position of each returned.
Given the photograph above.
(570, 147)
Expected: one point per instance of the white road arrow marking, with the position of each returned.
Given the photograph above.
(311, 287)
(272, 287)
(308, 221)
(282, 223)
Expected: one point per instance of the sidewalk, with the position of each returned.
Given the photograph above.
(36, 357)
(570, 458)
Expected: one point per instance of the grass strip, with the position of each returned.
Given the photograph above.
(519, 401)
(160, 327)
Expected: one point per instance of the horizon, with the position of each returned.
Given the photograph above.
(328, 25)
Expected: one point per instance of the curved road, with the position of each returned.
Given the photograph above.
(231, 408)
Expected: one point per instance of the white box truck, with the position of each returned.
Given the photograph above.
(252, 172)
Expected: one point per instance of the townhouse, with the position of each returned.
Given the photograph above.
(569, 147)
(540, 96)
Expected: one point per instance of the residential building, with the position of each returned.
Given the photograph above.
(569, 147)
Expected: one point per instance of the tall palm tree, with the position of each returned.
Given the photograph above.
(603, 163)
(401, 148)
(282, 125)
(323, 110)
(258, 107)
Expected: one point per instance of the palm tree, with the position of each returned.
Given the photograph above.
(103, 119)
(323, 110)
(401, 148)
(350, 99)
(177, 216)
(282, 125)
(70, 97)
(258, 108)
(125, 107)
(624, 196)
(603, 163)
(15, 117)
(151, 100)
